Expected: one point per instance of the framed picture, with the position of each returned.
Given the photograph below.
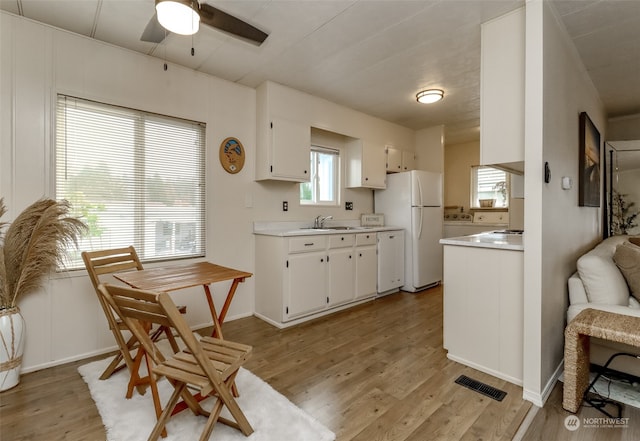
(589, 189)
(232, 155)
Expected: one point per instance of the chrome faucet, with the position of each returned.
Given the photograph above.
(319, 222)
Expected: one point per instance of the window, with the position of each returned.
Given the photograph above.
(322, 188)
(489, 184)
(136, 178)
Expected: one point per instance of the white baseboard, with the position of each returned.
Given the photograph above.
(538, 399)
(486, 370)
(78, 357)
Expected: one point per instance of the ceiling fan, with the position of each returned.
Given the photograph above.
(184, 16)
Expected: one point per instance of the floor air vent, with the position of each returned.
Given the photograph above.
(482, 388)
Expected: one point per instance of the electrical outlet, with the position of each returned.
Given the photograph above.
(348, 205)
(285, 206)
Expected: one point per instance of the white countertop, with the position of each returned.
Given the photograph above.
(501, 241)
(286, 229)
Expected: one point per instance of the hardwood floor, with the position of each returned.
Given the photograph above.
(373, 372)
(548, 423)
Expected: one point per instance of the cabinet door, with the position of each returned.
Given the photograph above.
(366, 271)
(305, 284)
(373, 166)
(408, 161)
(291, 150)
(341, 276)
(502, 89)
(394, 160)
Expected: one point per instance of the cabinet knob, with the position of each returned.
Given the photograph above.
(349, 256)
(305, 172)
(366, 179)
(360, 254)
(342, 238)
(321, 260)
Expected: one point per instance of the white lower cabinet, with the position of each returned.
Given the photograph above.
(341, 277)
(305, 283)
(302, 277)
(366, 256)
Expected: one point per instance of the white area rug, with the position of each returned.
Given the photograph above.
(272, 416)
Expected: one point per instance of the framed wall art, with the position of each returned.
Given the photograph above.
(232, 155)
(589, 188)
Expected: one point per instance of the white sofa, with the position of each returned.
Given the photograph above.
(599, 284)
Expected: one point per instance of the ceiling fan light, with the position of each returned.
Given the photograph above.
(178, 16)
(429, 96)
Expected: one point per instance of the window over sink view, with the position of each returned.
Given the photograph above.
(322, 188)
(489, 187)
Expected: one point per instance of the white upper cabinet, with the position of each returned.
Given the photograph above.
(290, 149)
(502, 85)
(283, 145)
(408, 160)
(366, 164)
(399, 160)
(394, 159)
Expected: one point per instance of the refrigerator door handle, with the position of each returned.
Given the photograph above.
(420, 200)
(420, 226)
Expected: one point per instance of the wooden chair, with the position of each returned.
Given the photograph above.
(210, 365)
(101, 263)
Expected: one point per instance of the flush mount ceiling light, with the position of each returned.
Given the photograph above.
(430, 96)
(178, 16)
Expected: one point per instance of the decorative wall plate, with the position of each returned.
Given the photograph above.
(232, 155)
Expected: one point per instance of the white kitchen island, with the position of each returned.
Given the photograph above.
(483, 303)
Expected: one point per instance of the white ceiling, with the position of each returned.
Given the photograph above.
(370, 55)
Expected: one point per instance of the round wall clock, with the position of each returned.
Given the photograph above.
(232, 155)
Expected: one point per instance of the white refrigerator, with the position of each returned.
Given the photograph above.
(413, 201)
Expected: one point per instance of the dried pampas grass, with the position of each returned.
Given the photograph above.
(34, 244)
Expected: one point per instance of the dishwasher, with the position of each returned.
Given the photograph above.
(390, 261)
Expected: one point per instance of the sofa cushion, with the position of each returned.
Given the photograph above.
(603, 281)
(627, 258)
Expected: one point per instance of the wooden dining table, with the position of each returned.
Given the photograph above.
(173, 278)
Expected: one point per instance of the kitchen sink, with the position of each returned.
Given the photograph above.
(348, 228)
(334, 228)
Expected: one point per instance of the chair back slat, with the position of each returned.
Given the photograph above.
(110, 261)
(133, 311)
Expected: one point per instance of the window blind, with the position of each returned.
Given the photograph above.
(136, 178)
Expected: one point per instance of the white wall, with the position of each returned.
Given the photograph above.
(458, 159)
(557, 230)
(430, 149)
(623, 128)
(64, 320)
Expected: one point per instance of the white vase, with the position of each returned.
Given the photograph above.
(12, 333)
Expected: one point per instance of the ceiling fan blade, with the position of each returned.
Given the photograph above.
(154, 32)
(228, 23)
